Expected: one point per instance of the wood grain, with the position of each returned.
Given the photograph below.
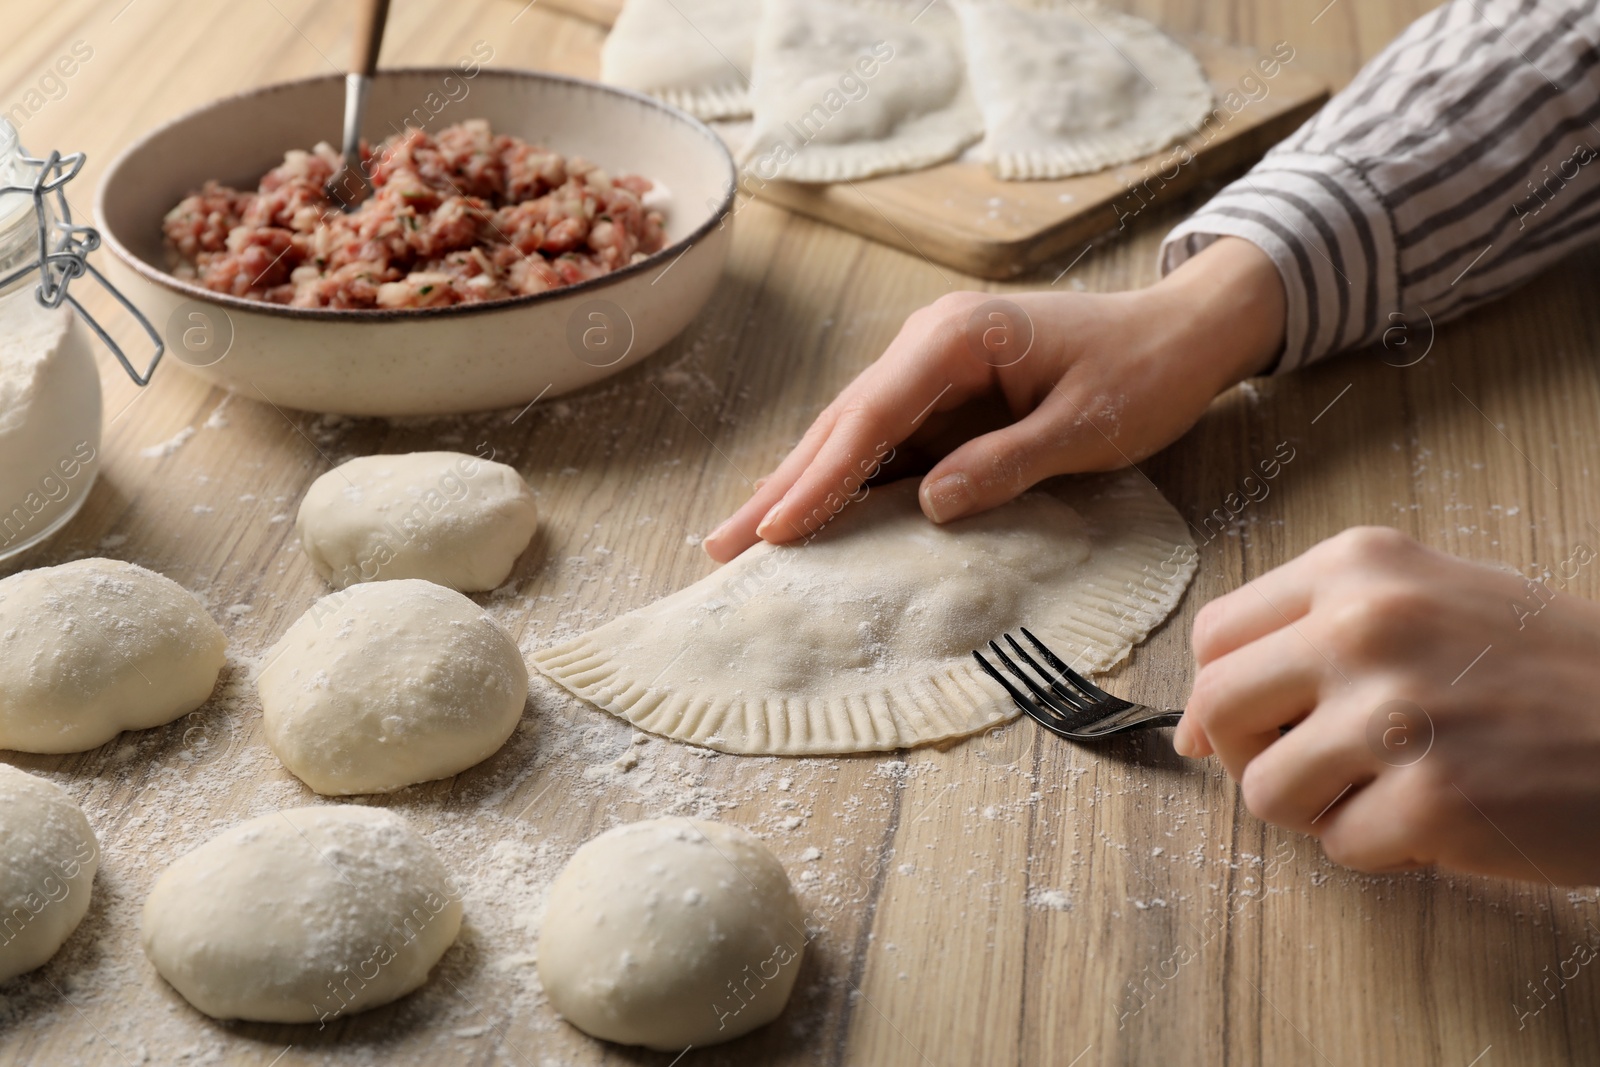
(1008, 899)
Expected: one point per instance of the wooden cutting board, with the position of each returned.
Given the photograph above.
(960, 216)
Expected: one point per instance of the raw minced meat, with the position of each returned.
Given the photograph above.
(459, 217)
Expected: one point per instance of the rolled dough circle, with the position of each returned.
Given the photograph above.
(48, 856)
(97, 646)
(302, 915)
(448, 517)
(388, 684)
(669, 933)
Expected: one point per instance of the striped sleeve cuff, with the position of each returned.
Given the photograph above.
(1328, 233)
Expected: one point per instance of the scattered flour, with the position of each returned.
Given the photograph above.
(1049, 900)
(162, 449)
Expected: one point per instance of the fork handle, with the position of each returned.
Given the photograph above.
(369, 36)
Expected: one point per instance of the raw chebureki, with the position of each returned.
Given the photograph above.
(861, 639)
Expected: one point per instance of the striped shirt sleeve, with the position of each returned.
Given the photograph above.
(1464, 159)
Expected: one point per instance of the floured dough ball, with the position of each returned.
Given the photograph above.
(388, 684)
(97, 646)
(48, 856)
(669, 933)
(303, 915)
(448, 517)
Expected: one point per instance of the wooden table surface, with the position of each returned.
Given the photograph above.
(1011, 899)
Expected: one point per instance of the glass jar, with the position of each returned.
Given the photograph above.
(50, 407)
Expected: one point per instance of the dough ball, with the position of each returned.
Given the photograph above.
(448, 517)
(97, 646)
(303, 915)
(388, 684)
(48, 856)
(669, 933)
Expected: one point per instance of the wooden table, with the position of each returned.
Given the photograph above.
(1008, 900)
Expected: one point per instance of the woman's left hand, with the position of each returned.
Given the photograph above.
(1444, 712)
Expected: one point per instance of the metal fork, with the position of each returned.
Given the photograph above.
(1064, 701)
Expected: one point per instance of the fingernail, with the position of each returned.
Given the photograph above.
(764, 527)
(948, 498)
(759, 483)
(1180, 744)
(714, 534)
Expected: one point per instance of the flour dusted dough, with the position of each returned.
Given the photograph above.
(448, 517)
(670, 933)
(388, 684)
(1069, 88)
(692, 54)
(48, 856)
(849, 90)
(303, 915)
(97, 646)
(861, 639)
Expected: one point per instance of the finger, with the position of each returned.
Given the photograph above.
(1282, 596)
(1299, 780)
(1251, 693)
(990, 470)
(1190, 740)
(935, 375)
(738, 531)
(1374, 828)
(1277, 599)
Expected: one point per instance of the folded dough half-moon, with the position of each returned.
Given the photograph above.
(861, 639)
(692, 54)
(1068, 88)
(847, 90)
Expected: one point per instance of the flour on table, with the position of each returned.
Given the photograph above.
(163, 449)
(861, 639)
(1069, 88)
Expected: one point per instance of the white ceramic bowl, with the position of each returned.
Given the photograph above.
(428, 360)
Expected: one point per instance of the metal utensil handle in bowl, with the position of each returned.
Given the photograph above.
(352, 184)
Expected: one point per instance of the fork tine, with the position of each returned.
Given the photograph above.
(1047, 719)
(1070, 712)
(1077, 701)
(1021, 700)
(1064, 701)
(1092, 690)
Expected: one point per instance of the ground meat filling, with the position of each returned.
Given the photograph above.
(455, 218)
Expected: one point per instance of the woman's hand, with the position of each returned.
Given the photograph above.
(1086, 381)
(1444, 712)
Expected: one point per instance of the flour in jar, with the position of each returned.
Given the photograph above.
(49, 419)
